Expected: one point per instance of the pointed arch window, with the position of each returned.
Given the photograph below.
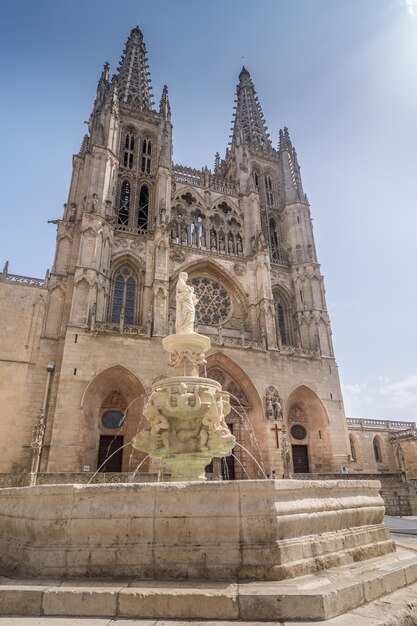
(377, 450)
(124, 297)
(124, 204)
(352, 449)
(274, 241)
(280, 323)
(129, 150)
(146, 156)
(269, 191)
(256, 180)
(143, 208)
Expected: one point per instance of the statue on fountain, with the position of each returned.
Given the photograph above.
(185, 306)
(186, 413)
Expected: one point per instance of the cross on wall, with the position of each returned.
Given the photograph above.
(276, 430)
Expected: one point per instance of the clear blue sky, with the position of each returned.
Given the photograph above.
(341, 74)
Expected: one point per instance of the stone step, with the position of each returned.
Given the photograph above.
(315, 597)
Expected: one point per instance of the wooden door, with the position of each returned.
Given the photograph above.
(300, 459)
(108, 446)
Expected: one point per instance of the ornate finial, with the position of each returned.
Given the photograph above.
(217, 163)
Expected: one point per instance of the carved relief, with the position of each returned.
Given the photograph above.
(127, 245)
(185, 418)
(297, 415)
(273, 404)
(187, 356)
(239, 269)
(177, 256)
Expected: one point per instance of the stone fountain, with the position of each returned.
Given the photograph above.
(206, 532)
(186, 413)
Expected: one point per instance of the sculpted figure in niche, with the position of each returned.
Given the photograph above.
(185, 309)
(269, 409)
(277, 409)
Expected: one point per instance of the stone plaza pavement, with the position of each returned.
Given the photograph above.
(398, 608)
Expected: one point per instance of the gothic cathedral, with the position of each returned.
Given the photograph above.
(89, 338)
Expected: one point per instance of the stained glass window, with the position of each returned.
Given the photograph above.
(280, 322)
(298, 432)
(124, 297)
(214, 305)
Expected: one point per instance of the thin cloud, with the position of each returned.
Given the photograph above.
(411, 7)
(402, 394)
(354, 389)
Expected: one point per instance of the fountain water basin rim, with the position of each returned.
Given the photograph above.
(252, 529)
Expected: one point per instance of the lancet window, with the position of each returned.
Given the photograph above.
(129, 150)
(220, 232)
(124, 204)
(280, 322)
(269, 192)
(124, 296)
(143, 208)
(377, 450)
(352, 449)
(283, 321)
(146, 156)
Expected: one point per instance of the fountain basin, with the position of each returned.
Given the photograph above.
(259, 530)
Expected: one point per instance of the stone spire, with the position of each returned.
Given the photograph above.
(249, 122)
(133, 75)
(164, 106)
(292, 176)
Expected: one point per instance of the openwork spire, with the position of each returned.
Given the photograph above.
(292, 176)
(249, 121)
(133, 75)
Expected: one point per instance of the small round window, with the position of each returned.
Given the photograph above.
(112, 419)
(298, 432)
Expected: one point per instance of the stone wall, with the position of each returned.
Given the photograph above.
(398, 493)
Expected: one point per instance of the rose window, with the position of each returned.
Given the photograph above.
(214, 303)
(298, 432)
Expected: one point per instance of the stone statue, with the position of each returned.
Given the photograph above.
(277, 409)
(269, 409)
(186, 301)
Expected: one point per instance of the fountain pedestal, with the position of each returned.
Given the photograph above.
(186, 413)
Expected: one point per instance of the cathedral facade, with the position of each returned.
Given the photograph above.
(83, 346)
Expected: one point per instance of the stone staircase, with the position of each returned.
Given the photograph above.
(314, 598)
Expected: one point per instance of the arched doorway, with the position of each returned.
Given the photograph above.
(247, 459)
(112, 406)
(308, 431)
